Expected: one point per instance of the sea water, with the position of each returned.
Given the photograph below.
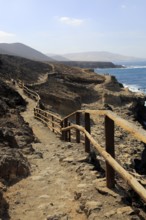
(133, 75)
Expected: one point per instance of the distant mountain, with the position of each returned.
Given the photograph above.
(57, 57)
(99, 56)
(21, 50)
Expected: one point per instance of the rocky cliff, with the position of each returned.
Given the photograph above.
(68, 89)
(15, 140)
(90, 64)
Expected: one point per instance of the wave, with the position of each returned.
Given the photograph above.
(135, 67)
(133, 88)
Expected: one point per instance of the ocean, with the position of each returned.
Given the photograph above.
(133, 75)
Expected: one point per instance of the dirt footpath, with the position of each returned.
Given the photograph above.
(62, 184)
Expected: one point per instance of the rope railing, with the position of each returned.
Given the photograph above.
(81, 123)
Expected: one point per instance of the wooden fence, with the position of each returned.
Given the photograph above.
(65, 125)
(50, 120)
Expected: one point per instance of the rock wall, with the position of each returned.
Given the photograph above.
(15, 139)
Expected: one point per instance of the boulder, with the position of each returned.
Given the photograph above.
(13, 165)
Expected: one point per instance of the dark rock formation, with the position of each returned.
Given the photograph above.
(90, 64)
(67, 88)
(10, 99)
(12, 67)
(13, 165)
(15, 137)
(3, 205)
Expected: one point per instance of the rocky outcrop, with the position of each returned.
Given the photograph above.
(3, 203)
(69, 89)
(10, 99)
(12, 67)
(15, 137)
(15, 140)
(90, 64)
(13, 165)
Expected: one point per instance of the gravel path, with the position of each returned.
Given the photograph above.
(62, 185)
(49, 191)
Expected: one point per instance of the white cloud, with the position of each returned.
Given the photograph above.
(4, 34)
(71, 21)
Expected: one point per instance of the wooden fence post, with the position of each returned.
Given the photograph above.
(109, 144)
(87, 127)
(69, 133)
(65, 133)
(62, 135)
(78, 123)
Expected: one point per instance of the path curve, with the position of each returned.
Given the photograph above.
(49, 191)
(62, 186)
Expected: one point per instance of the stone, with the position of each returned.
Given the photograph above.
(37, 178)
(68, 159)
(92, 206)
(126, 210)
(44, 197)
(77, 195)
(110, 213)
(106, 191)
(84, 185)
(93, 216)
(13, 165)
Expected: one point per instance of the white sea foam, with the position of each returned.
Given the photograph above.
(133, 88)
(135, 67)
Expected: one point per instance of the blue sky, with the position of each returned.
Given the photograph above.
(65, 26)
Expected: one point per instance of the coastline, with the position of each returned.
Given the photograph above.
(91, 64)
(132, 76)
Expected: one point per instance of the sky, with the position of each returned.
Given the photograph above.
(68, 26)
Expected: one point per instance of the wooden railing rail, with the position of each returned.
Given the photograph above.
(52, 121)
(46, 113)
(134, 130)
(110, 120)
(113, 163)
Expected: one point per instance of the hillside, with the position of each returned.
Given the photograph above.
(91, 64)
(99, 56)
(21, 68)
(19, 49)
(57, 57)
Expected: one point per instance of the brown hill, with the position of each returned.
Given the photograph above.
(21, 68)
(19, 49)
